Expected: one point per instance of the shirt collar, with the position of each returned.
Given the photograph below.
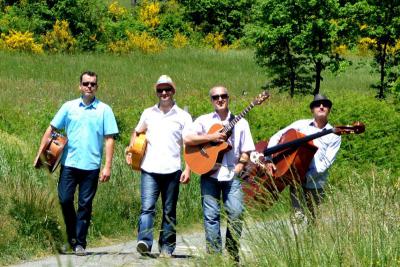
(326, 127)
(173, 109)
(216, 115)
(93, 105)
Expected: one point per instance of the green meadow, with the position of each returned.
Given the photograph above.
(359, 221)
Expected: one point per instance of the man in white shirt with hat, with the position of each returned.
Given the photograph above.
(312, 191)
(161, 172)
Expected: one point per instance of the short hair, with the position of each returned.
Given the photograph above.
(89, 73)
(217, 86)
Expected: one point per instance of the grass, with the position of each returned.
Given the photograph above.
(364, 179)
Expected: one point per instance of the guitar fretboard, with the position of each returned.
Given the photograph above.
(232, 123)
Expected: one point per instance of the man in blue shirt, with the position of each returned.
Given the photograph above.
(88, 124)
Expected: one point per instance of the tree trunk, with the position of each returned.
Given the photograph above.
(292, 73)
(133, 3)
(382, 63)
(318, 70)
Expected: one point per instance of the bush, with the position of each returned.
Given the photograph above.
(60, 39)
(19, 41)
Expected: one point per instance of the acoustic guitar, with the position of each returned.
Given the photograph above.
(137, 150)
(202, 158)
(51, 153)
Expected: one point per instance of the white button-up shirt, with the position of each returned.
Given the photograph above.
(240, 140)
(164, 138)
(328, 146)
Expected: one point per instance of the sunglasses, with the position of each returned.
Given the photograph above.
(216, 97)
(93, 84)
(325, 104)
(167, 90)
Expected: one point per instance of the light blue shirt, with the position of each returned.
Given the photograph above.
(328, 147)
(85, 127)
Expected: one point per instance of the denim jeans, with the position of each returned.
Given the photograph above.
(152, 184)
(232, 198)
(77, 223)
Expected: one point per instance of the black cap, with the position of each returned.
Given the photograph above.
(320, 99)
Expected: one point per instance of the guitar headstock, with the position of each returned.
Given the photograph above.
(356, 128)
(261, 98)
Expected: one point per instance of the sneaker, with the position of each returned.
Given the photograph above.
(165, 254)
(79, 251)
(142, 248)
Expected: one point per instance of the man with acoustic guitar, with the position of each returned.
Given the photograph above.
(88, 124)
(312, 190)
(161, 172)
(222, 181)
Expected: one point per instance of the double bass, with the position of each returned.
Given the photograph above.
(292, 157)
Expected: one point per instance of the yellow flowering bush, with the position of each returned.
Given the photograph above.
(60, 39)
(118, 47)
(144, 42)
(215, 40)
(116, 10)
(364, 45)
(136, 41)
(20, 41)
(149, 14)
(341, 49)
(179, 40)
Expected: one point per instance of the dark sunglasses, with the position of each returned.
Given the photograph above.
(325, 104)
(216, 97)
(167, 90)
(93, 84)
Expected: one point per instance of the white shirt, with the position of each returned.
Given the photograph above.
(240, 140)
(164, 138)
(328, 147)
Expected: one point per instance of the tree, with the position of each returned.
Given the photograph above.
(379, 26)
(295, 39)
(223, 16)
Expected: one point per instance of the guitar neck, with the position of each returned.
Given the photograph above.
(297, 142)
(237, 118)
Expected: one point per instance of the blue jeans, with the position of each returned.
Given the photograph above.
(152, 184)
(77, 223)
(232, 198)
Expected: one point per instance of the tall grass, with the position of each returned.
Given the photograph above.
(32, 88)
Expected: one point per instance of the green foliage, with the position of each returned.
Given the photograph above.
(215, 16)
(295, 41)
(31, 93)
(379, 22)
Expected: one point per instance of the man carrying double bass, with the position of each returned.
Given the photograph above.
(312, 190)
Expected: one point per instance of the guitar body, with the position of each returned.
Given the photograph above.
(138, 149)
(202, 158)
(51, 153)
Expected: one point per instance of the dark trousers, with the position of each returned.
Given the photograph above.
(311, 197)
(77, 222)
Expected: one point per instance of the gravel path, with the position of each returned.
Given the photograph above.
(189, 247)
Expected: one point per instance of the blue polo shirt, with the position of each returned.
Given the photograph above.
(86, 127)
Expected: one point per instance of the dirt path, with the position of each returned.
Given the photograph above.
(189, 247)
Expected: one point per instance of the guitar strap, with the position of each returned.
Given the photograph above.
(228, 134)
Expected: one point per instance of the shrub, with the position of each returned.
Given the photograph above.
(149, 14)
(137, 41)
(179, 40)
(215, 40)
(60, 39)
(19, 41)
